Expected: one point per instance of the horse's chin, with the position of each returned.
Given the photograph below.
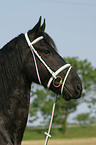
(67, 95)
(67, 99)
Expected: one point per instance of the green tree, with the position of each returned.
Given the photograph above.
(63, 109)
(44, 99)
(82, 118)
(92, 120)
(41, 102)
(92, 106)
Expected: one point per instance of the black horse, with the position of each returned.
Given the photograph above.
(17, 72)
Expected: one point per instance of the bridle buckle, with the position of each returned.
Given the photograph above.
(57, 82)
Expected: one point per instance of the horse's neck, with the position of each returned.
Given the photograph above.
(15, 109)
(14, 97)
(19, 107)
(13, 84)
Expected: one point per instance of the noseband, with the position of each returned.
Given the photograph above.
(54, 76)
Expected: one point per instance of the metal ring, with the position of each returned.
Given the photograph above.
(60, 82)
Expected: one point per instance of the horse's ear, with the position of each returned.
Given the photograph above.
(36, 27)
(42, 28)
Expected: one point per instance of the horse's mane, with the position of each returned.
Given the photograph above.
(9, 48)
(9, 60)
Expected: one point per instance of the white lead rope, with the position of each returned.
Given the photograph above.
(50, 125)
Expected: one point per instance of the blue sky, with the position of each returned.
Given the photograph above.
(71, 23)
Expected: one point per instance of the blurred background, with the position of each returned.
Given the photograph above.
(72, 25)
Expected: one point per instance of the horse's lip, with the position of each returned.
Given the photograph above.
(70, 96)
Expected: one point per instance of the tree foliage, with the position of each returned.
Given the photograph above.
(83, 118)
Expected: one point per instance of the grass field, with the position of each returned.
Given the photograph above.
(75, 135)
(72, 132)
(85, 141)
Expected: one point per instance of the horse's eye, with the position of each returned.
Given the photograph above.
(47, 52)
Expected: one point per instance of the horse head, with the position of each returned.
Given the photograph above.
(45, 66)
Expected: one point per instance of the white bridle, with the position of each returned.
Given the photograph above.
(54, 74)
